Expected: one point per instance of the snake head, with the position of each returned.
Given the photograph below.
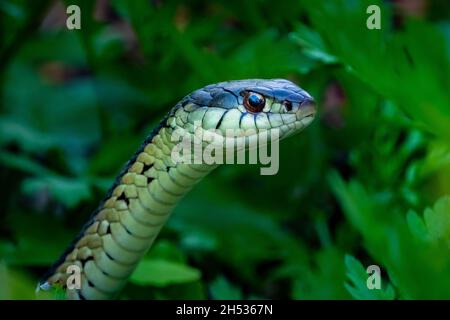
(246, 107)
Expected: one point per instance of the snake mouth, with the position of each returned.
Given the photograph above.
(285, 124)
(242, 138)
(307, 119)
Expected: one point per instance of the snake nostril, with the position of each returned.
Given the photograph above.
(308, 102)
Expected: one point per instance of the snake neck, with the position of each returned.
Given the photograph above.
(124, 226)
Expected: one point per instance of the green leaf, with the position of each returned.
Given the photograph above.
(435, 225)
(221, 289)
(437, 219)
(312, 44)
(327, 270)
(36, 243)
(358, 283)
(161, 273)
(166, 250)
(14, 285)
(417, 225)
(419, 268)
(67, 191)
(223, 223)
(28, 138)
(23, 163)
(384, 60)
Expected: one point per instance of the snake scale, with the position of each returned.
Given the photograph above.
(125, 224)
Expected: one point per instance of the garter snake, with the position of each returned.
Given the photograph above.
(125, 224)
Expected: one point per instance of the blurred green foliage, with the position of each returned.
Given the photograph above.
(350, 191)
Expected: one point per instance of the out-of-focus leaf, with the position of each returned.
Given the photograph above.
(160, 273)
(282, 49)
(417, 225)
(167, 251)
(33, 245)
(322, 279)
(15, 285)
(435, 225)
(66, 117)
(12, 9)
(23, 163)
(312, 44)
(233, 227)
(437, 219)
(222, 289)
(69, 192)
(27, 138)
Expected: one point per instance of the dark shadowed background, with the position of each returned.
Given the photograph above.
(367, 183)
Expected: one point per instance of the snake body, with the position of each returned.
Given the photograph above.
(122, 229)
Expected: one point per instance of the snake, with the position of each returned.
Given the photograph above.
(125, 224)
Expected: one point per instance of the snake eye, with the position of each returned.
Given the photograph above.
(254, 102)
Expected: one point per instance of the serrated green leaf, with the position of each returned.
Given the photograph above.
(417, 225)
(437, 219)
(358, 283)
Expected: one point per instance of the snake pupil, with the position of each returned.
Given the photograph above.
(254, 102)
